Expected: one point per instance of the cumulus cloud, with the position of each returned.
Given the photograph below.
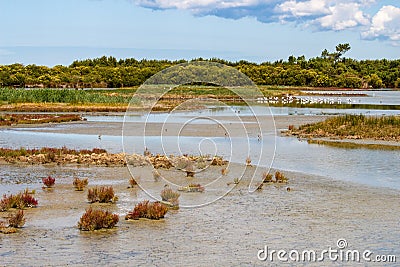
(303, 9)
(323, 14)
(385, 25)
(343, 16)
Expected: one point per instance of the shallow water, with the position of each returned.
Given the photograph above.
(365, 166)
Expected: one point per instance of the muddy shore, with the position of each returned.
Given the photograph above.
(313, 215)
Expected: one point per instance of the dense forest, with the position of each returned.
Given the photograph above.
(331, 69)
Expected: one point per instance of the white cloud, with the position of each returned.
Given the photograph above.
(343, 16)
(300, 9)
(324, 15)
(385, 25)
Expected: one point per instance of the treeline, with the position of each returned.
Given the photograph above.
(327, 70)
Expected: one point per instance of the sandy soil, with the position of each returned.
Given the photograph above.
(228, 232)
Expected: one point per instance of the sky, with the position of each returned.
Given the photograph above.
(53, 32)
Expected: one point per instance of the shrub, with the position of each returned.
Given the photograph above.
(171, 196)
(224, 171)
(280, 177)
(148, 210)
(218, 161)
(102, 194)
(94, 219)
(266, 177)
(48, 181)
(17, 219)
(132, 182)
(80, 184)
(18, 201)
(248, 161)
(28, 200)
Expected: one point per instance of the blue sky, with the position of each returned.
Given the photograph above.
(51, 32)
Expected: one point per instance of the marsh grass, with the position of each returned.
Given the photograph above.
(102, 194)
(350, 145)
(132, 182)
(80, 184)
(21, 200)
(353, 127)
(267, 177)
(148, 210)
(280, 177)
(94, 219)
(170, 196)
(49, 181)
(224, 171)
(17, 219)
(248, 161)
(48, 95)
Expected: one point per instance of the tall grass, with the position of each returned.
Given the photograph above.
(61, 96)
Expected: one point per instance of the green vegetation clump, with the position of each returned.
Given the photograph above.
(354, 127)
